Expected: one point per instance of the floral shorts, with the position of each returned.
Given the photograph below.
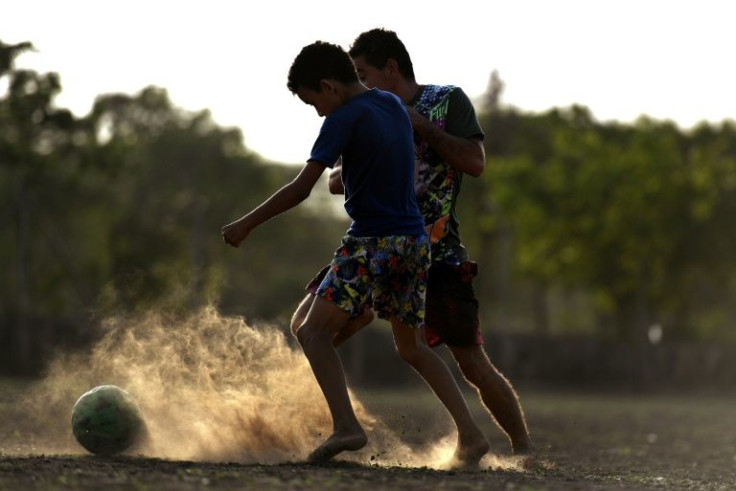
(389, 272)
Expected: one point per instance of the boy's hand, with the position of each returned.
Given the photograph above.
(418, 121)
(234, 233)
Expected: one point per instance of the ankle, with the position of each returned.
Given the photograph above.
(348, 428)
(523, 447)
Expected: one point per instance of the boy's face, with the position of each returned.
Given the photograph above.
(372, 77)
(325, 101)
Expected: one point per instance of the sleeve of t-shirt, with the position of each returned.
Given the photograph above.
(461, 118)
(332, 139)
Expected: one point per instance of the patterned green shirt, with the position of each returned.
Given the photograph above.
(438, 184)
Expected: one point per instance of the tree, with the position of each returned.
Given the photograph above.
(120, 210)
(626, 213)
(36, 164)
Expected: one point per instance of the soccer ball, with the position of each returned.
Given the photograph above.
(106, 420)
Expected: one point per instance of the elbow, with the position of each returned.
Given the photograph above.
(477, 168)
(335, 188)
(297, 193)
(303, 195)
(476, 160)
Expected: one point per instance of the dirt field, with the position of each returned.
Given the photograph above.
(585, 442)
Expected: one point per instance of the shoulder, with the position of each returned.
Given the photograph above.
(436, 92)
(453, 93)
(458, 93)
(368, 99)
(379, 102)
(450, 104)
(432, 96)
(384, 97)
(459, 99)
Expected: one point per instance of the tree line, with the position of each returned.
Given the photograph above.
(609, 228)
(579, 226)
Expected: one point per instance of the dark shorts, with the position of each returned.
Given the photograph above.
(451, 308)
(451, 315)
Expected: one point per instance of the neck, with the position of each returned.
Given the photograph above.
(352, 90)
(406, 90)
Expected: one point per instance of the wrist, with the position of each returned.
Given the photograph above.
(426, 129)
(247, 222)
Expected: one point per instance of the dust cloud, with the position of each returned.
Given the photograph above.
(211, 388)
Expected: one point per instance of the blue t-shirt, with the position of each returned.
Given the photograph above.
(373, 134)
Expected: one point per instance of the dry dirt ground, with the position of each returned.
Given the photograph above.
(586, 441)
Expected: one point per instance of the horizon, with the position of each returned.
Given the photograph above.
(619, 60)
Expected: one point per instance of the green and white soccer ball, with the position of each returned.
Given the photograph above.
(106, 420)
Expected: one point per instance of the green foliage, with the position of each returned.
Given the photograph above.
(629, 214)
(122, 209)
(577, 224)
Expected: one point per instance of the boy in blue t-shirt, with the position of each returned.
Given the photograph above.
(385, 254)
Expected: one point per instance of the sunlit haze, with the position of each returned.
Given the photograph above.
(671, 60)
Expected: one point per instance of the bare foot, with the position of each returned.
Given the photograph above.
(527, 457)
(468, 455)
(525, 449)
(353, 325)
(337, 443)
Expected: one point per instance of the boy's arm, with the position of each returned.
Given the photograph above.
(334, 183)
(465, 154)
(282, 200)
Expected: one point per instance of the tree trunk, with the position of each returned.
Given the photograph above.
(23, 337)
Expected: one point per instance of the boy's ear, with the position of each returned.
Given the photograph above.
(327, 85)
(392, 67)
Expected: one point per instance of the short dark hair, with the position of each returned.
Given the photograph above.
(378, 45)
(318, 61)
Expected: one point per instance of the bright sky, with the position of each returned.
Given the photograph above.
(669, 59)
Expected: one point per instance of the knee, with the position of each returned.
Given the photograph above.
(411, 353)
(296, 322)
(300, 314)
(304, 335)
(309, 335)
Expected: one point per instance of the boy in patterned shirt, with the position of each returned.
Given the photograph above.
(448, 143)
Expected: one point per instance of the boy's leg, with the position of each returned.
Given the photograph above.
(412, 347)
(452, 318)
(315, 335)
(353, 325)
(297, 318)
(497, 395)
